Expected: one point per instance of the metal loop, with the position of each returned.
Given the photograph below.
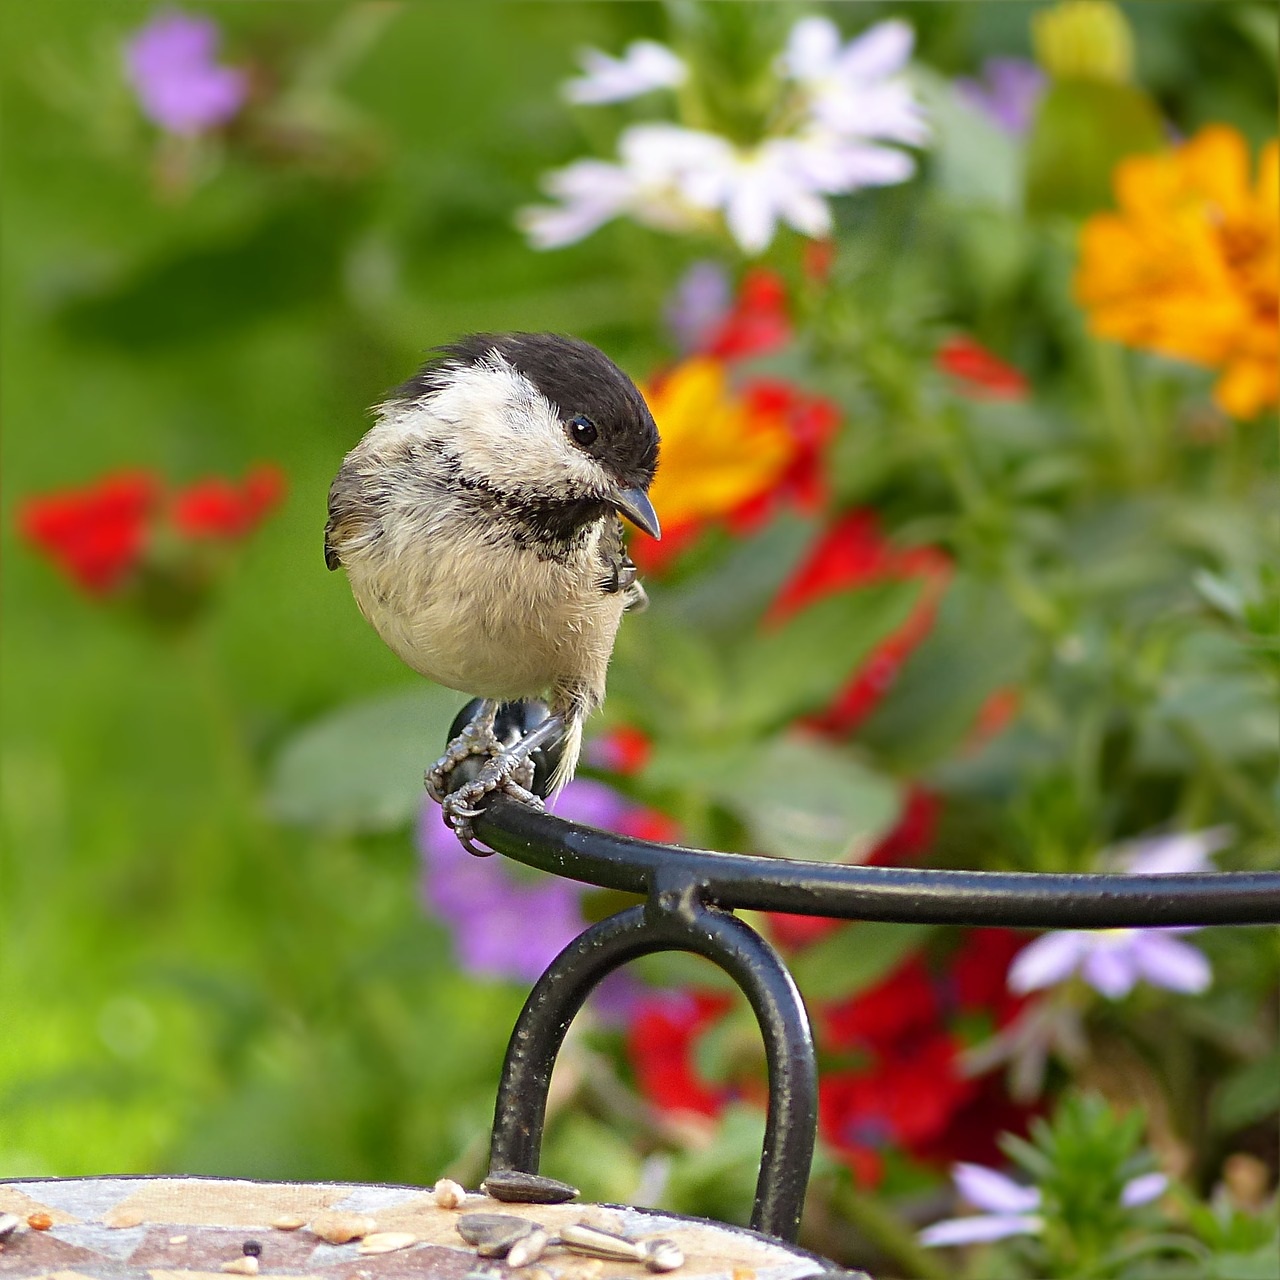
(673, 919)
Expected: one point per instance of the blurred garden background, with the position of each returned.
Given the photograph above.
(959, 322)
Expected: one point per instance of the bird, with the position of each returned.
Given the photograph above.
(479, 523)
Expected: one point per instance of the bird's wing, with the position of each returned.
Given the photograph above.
(619, 569)
(352, 519)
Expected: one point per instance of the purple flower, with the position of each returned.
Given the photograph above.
(1010, 1208)
(180, 86)
(698, 304)
(1114, 961)
(1008, 91)
(504, 925)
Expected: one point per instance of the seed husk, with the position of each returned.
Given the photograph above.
(594, 1243)
(9, 1223)
(516, 1187)
(493, 1234)
(117, 1219)
(246, 1265)
(528, 1248)
(339, 1228)
(387, 1241)
(663, 1255)
(288, 1222)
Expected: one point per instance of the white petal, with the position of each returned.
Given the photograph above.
(751, 214)
(981, 1227)
(880, 51)
(811, 48)
(644, 66)
(986, 1189)
(1144, 1189)
(806, 212)
(1166, 962)
(1050, 959)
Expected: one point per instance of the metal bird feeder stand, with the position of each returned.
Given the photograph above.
(690, 896)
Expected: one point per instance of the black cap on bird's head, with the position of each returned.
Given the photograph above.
(601, 411)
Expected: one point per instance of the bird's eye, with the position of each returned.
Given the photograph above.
(583, 430)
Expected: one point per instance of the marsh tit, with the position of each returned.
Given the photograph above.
(478, 523)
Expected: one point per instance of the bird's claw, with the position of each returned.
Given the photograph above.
(508, 776)
(477, 739)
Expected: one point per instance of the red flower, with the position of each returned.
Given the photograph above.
(854, 553)
(96, 535)
(622, 750)
(660, 1043)
(901, 1004)
(220, 508)
(758, 321)
(107, 535)
(976, 976)
(819, 257)
(980, 374)
(906, 1100)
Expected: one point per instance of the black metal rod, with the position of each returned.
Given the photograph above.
(672, 920)
(903, 894)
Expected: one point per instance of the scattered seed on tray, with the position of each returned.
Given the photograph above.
(526, 1188)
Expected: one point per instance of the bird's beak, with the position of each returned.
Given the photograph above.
(635, 505)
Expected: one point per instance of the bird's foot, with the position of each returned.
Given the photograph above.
(512, 776)
(477, 739)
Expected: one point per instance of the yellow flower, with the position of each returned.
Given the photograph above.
(719, 451)
(1190, 265)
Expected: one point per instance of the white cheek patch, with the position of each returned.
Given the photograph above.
(502, 429)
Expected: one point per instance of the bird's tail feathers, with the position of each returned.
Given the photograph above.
(569, 759)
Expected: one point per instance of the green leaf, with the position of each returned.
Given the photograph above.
(797, 668)
(360, 768)
(1249, 1094)
(854, 958)
(1083, 128)
(799, 797)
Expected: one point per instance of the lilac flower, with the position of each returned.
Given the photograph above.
(504, 926)
(1011, 1209)
(179, 85)
(644, 66)
(698, 304)
(1114, 961)
(1008, 91)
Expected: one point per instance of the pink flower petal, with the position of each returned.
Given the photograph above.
(986, 1189)
(1144, 1189)
(1110, 968)
(1050, 959)
(981, 1227)
(1166, 962)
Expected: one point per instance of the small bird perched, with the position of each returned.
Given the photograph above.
(478, 525)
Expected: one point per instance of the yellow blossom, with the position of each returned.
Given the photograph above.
(1190, 264)
(719, 450)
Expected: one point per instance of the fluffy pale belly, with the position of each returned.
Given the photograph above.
(509, 639)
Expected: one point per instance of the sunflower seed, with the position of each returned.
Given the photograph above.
(245, 1266)
(387, 1241)
(494, 1233)
(662, 1255)
(594, 1243)
(528, 1248)
(288, 1222)
(9, 1223)
(526, 1188)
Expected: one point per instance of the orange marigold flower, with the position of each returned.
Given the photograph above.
(1190, 264)
(729, 453)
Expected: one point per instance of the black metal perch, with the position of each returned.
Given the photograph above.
(690, 895)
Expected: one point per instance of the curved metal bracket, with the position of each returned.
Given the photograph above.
(673, 919)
